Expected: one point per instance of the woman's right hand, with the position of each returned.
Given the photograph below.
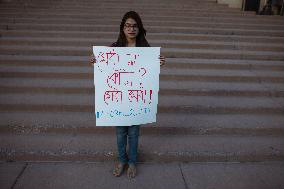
(93, 59)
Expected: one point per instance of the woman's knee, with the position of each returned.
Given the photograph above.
(133, 131)
(121, 131)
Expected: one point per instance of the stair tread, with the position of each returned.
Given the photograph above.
(202, 122)
(257, 21)
(164, 35)
(173, 50)
(87, 41)
(83, 59)
(166, 101)
(92, 144)
(164, 71)
(173, 85)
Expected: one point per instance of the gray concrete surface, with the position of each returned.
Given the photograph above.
(22, 121)
(9, 173)
(164, 101)
(234, 175)
(84, 175)
(152, 148)
(152, 36)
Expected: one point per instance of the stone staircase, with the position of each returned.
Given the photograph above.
(221, 91)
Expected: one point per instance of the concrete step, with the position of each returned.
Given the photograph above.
(167, 103)
(83, 42)
(167, 52)
(222, 54)
(164, 77)
(193, 88)
(80, 61)
(190, 17)
(150, 36)
(171, 124)
(43, 108)
(155, 29)
(226, 91)
(105, 4)
(118, 8)
(100, 4)
(183, 16)
(161, 148)
(96, 3)
(150, 23)
(121, 10)
(165, 71)
(274, 86)
(84, 18)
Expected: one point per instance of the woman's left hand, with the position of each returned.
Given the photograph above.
(162, 60)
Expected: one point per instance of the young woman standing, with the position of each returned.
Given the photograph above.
(132, 34)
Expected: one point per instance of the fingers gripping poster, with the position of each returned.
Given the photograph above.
(126, 85)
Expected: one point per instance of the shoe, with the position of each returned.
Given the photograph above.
(118, 169)
(132, 171)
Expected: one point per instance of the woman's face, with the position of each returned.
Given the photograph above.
(130, 29)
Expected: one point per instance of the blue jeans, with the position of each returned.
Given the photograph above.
(132, 133)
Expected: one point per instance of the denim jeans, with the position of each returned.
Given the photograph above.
(131, 133)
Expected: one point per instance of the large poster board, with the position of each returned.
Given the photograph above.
(126, 83)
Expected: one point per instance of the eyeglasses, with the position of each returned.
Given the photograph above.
(129, 26)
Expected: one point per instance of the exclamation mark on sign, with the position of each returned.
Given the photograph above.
(99, 114)
(150, 96)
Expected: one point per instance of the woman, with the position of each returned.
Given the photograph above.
(132, 34)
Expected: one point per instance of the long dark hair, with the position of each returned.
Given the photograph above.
(140, 39)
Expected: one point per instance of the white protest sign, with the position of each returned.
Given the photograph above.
(126, 85)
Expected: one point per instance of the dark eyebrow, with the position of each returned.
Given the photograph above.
(131, 24)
